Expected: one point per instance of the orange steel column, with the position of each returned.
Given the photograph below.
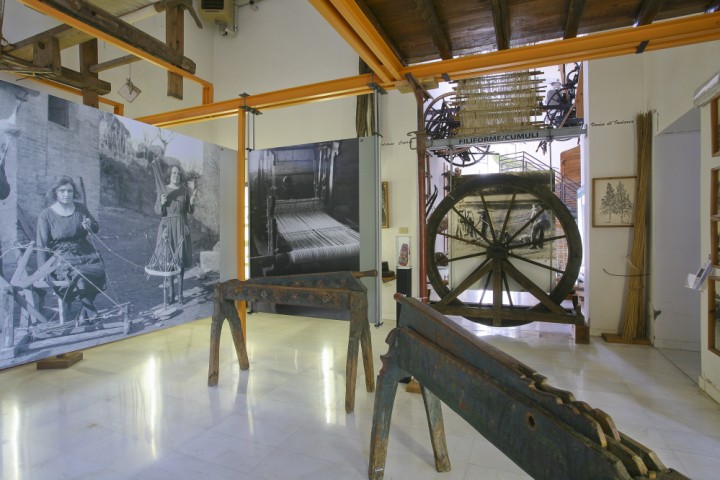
(241, 132)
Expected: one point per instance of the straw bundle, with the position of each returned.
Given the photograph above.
(634, 318)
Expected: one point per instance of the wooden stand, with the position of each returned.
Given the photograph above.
(64, 360)
(338, 290)
(544, 430)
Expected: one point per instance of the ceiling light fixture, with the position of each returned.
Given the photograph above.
(129, 91)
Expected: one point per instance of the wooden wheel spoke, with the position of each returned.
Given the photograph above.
(507, 289)
(533, 289)
(485, 267)
(507, 214)
(538, 264)
(488, 216)
(498, 275)
(464, 240)
(465, 257)
(485, 287)
(470, 224)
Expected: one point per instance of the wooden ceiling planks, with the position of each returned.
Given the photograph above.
(471, 27)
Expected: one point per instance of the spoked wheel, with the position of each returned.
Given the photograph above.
(442, 121)
(441, 117)
(514, 251)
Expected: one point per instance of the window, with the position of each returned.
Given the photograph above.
(58, 111)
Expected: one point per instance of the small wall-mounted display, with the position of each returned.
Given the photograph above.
(385, 206)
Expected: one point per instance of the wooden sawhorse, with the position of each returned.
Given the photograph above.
(544, 430)
(337, 290)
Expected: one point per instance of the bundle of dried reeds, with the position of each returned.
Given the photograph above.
(634, 318)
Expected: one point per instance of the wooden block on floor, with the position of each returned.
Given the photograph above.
(615, 338)
(64, 360)
(413, 386)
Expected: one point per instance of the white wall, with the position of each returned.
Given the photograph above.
(664, 82)
(614, 97)
(674, 240)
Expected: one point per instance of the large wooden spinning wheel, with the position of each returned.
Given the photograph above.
(488, 259)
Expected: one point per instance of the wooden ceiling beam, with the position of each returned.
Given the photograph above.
(88, 57)
(175, 40)
(362, 4)
(434, 27)
(576, 8)
(648, 11)
(501, 20)
(354, 16)
(118, 108)
(667, 34)
(69, 37)
(100, 24)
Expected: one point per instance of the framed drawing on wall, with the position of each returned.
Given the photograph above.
(613, 201)
(384, 206)
(715, 126)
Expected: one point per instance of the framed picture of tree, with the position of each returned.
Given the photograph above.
(613, 201)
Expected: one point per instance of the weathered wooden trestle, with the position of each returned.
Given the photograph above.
(335, 290)
(542, 429)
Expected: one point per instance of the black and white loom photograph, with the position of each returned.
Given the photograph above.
(304, 209)
(109, 227)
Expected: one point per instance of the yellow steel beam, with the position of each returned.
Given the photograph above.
(691, 29)
(344, 87)
(334, 18)
(97, 33)
(369, 34)
(667, 34)
(241, 168)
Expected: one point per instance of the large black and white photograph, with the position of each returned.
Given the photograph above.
(304, 209)
(304, 214)
(110, 227)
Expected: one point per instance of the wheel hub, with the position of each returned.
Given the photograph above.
(497, 251)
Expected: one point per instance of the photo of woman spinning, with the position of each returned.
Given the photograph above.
(62, 229)
(173, 246)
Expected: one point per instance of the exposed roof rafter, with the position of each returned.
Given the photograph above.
(574, 15)
(502, 23)
(434, 26)
(648, 11)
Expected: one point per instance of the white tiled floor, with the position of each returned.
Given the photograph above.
(141, 408)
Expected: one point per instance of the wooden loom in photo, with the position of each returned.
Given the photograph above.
(311, 234)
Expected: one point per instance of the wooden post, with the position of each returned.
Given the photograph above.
(89, 57)
(175, 39)
(421, 152)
